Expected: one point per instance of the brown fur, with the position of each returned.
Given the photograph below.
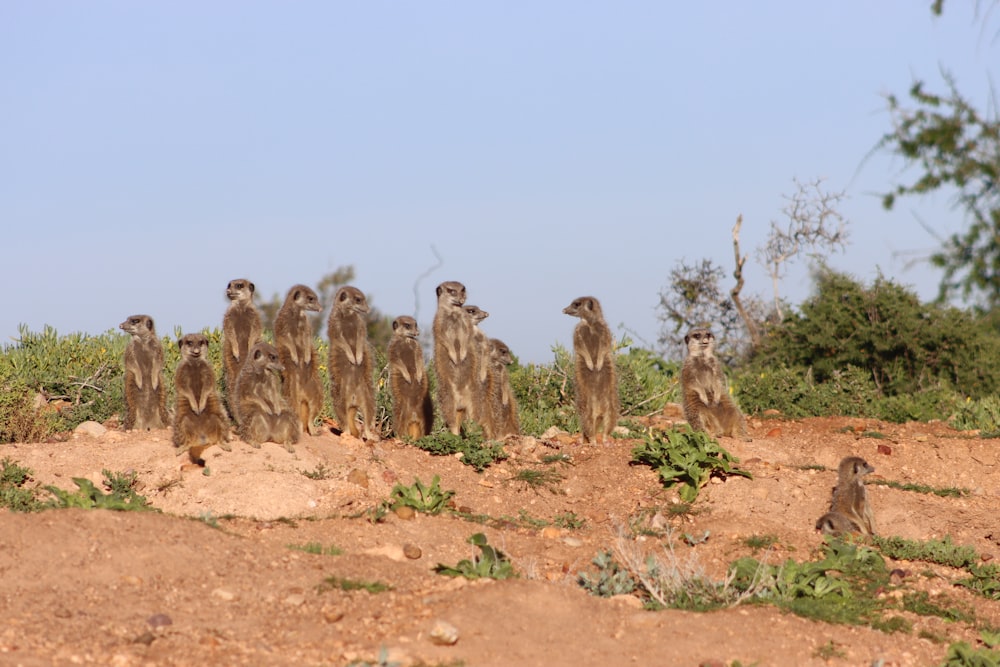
(835, 523)
(503, 419)
(352, 383)
(257, 396)
(412, 411)
(294, 339)
(595, 379)
(480, 403)
(456, 359)
(707, 404)
(199, 420)
(241, 329)
(145, 393)
(850, 499)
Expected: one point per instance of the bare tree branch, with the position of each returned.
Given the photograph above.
(735, 292)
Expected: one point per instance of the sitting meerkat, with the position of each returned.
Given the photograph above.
(145, 392)
(352, 380)
(199, 420)
(412, 411)
(264, 413)
(850, 510)
(500, 400)
(595, 378)
(706, 401)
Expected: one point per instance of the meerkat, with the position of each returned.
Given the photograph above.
(412, 412)
(835, 523)
(352, 381)
(850, 499)
(264, 413)
(594, 363)
(199, 420)
(706, 401)
(500, 401)
(456, 358)
(241, 329)
(480, 402)
(145, 393)
(294, 339)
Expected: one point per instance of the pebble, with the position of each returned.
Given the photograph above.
(91, 429)
(412, 551)
(405, 513)
(295, 600)
(159, 621)
(224, 595)
(359, 477)
(444, 633)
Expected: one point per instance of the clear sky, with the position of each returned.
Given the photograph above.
(152, 151)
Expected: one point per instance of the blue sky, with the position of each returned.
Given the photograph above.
(150, 152)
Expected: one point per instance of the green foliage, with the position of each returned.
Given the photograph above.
(475, 452)
(645, 381)
(942, 552)
(961, 654)
(122, 495)
(758, 542)
(903, 346)
(984, 580)
(13, 494)
(538, 478)
(982, 414)
(947, 492)
(686, 457)
(422, 498)
(919, 603)
(569, 520)
(317, 548)
(490, 563)
(20, 419)
(611, 578)
(545, 394)
(345, 584)
(319, 472)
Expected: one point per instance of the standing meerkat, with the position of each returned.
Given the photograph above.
(352, 381)
(707, 404)
(412, 412)
(257, 397)
(595, 379)
(500, 401)
(850, 499)
(480, 402)
(145, 393)
(294, 339)
(456, 359)
(199, 420)
(241, 329)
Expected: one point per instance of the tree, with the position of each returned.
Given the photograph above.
(954, 146)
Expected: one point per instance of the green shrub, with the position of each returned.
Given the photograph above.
(685, 457)
(982, 414)
(490, 563)
(475, 451)
(13, 494)
(545, 394)
(20, 418)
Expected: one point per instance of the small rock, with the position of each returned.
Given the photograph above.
(405, 512)
(572, 542)
(444, 633)
(627, 600)
(332, 614)
(90, 429)
(773, 433)
(553, 432)
(390, 551)
(358, 477)
(771, 412)
(224, 595)
(159, 621)
(295, 600)
(760, 492)
(551, 533)
(389, 477)
(412, 551)
(885, 450)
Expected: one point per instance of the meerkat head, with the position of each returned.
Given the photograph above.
(304, 297)
(193, 346)
(266, 355)
(138, 325)
(405, 326)
(700, 342)
(451, 293)
(855, 466)
(585, 307)
(240, 289)
(500, 353)
(351, 298)
(476, 313)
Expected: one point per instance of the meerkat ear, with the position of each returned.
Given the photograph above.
(149, 323)
(687, 338)
(438, 290)
(395, 324)
(252, 287)
(257, 353)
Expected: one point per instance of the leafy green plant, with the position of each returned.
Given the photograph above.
(474, 451)
(984, 580)
(317, 548)
(544, 394)
(421, 497)
(961, 654)
(537, 479)
(569, 520)
(982, 414)
(829, 651)
(947, 492)
(13, 494)
(920, 603)
(686, 457)
(491, 562)
(758, 542)
(88, 496)
(319, 472)
(942, 552)
(610, 579)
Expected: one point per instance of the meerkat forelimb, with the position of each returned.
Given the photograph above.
(412, 411)
(266, 416)
(199, 419)
(351, 366)
(595, 378)
(145, 393)
(241, 329)
(294, 339)
(456, 359)
(706, 401)
(850, 499)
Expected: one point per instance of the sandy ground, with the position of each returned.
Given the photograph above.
(213, 578)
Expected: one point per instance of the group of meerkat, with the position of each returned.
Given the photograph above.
(708, 407)
(471, 368)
